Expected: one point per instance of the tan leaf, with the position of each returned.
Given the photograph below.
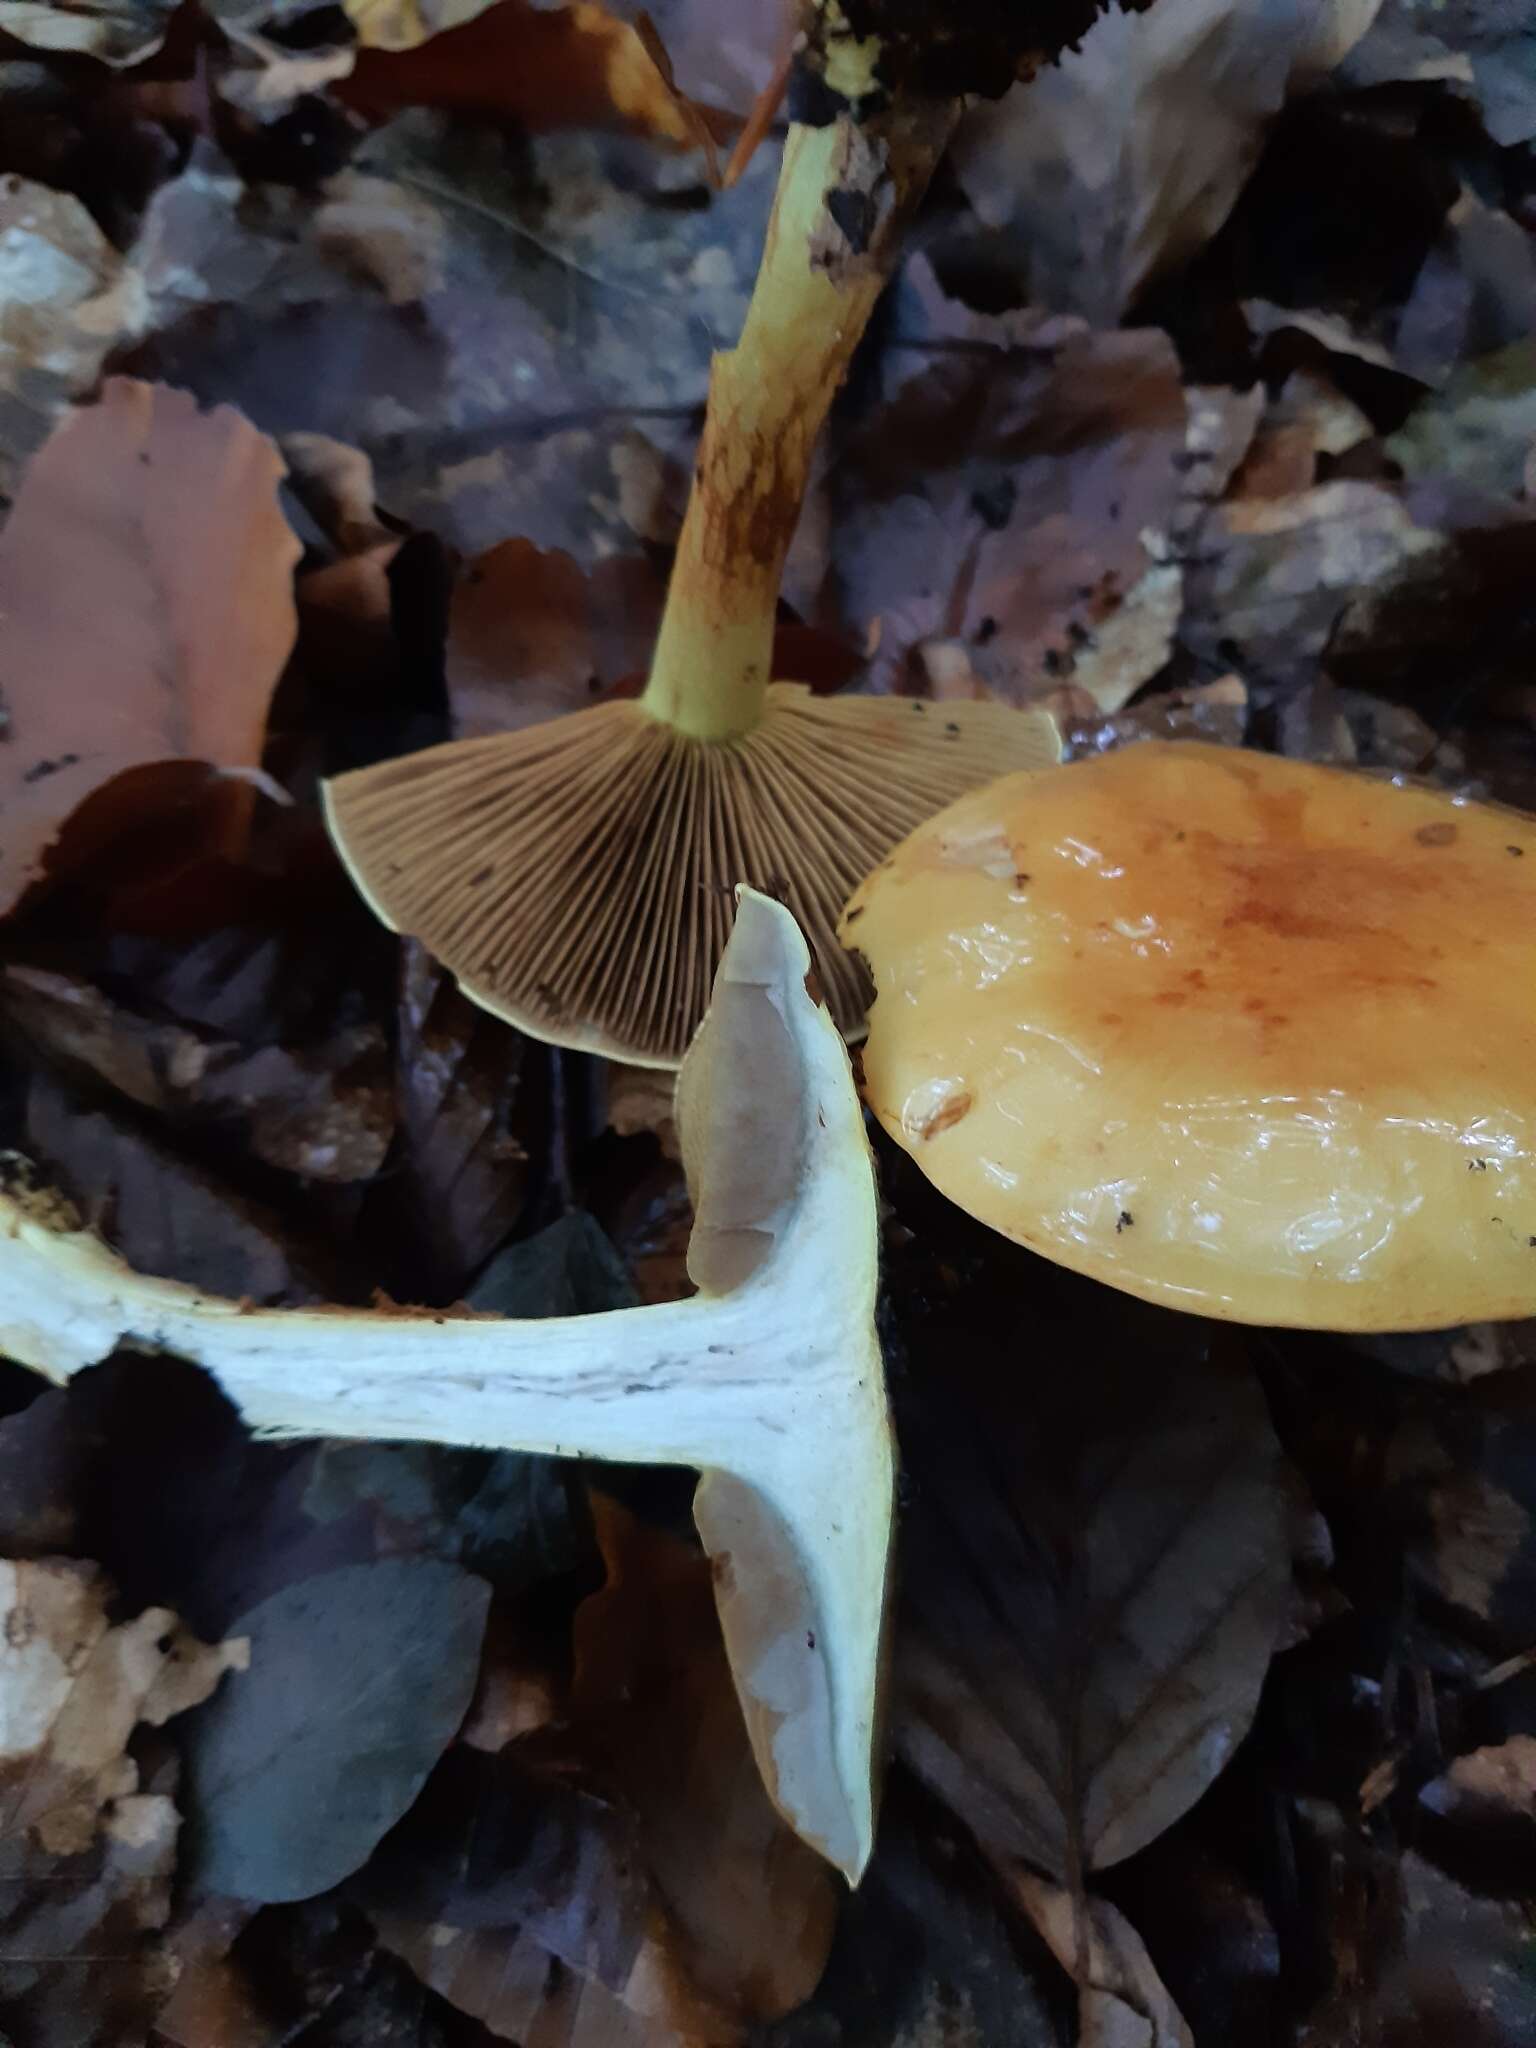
(531, 635)
(146, 608)
(1126, 157)
(546, 67)
(1094, 1582)
(402, 24)
(66, 298)
(118, 31)
(1122, 2002)
(751, 1908)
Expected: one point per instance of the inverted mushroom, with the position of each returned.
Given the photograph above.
(576, 875)
(769, 1379)
(1234, 1033)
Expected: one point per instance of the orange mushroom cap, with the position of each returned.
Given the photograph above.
(1234, 1033)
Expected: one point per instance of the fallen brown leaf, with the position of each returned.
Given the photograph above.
(750, 1907)
(532, 635)
(168, 518)
(117, 31)
(1017, 504)
(168, 1216)
(518, 354)
(321, 1110)
(523, 1900)
(1122, 2003)
(1463, 1476)
(1275, 575)
(573, 66)
(1094, 1581)
(1480, 45)
(673, 1905)
(53, 340)
(472, 1124)
(1126, 156)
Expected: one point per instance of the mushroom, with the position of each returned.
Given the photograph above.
(1233, 1033)
(576, 875)
(769, 1379)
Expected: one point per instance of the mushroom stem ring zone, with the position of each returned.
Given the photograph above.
(769, 1380)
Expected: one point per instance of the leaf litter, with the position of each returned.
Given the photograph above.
(1201, 405)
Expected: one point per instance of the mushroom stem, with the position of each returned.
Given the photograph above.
(845, 190)
(592, 1386)
(769, 1380)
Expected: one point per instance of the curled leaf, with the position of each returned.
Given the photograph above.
(168, 518)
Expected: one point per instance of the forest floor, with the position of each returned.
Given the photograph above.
(1203, 404)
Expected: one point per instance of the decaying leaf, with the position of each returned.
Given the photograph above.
(118, 31)
(1481, 427)
(1016, 505)
(1275, 575)
(1127, 155)
(1487, 1799)
(572, 66)
(749, 1906)
(665, 1900)
(1463, 1476)
(931, 1952)
(524, 1901)
(75, 1687)
(1093, 1587)
(170, 1214)
(1460, 1971)
(404, 24)
(531, 635)
(508, 350)
(66, 298)
(471, 1122)
(1479, 47)
(87, 1850)
(1122, 2003)
(359, 1678)
(322, 1110)
(169, 518)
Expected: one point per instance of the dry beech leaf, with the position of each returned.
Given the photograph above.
(1462, 1475)
(405, 24)
(1126, 156)
(624, 1883)
(522, 1897)
(531, 635)
(751, 1908)
(1018, 506)
(117, 31)
(359, 1678)
(87, 1850)
(1094, 1582)
(165, 520)
(1488, 1783)
(1122, 2002)
(322, 1110)
(545, 67)
(169, 1214)
(66, 298)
